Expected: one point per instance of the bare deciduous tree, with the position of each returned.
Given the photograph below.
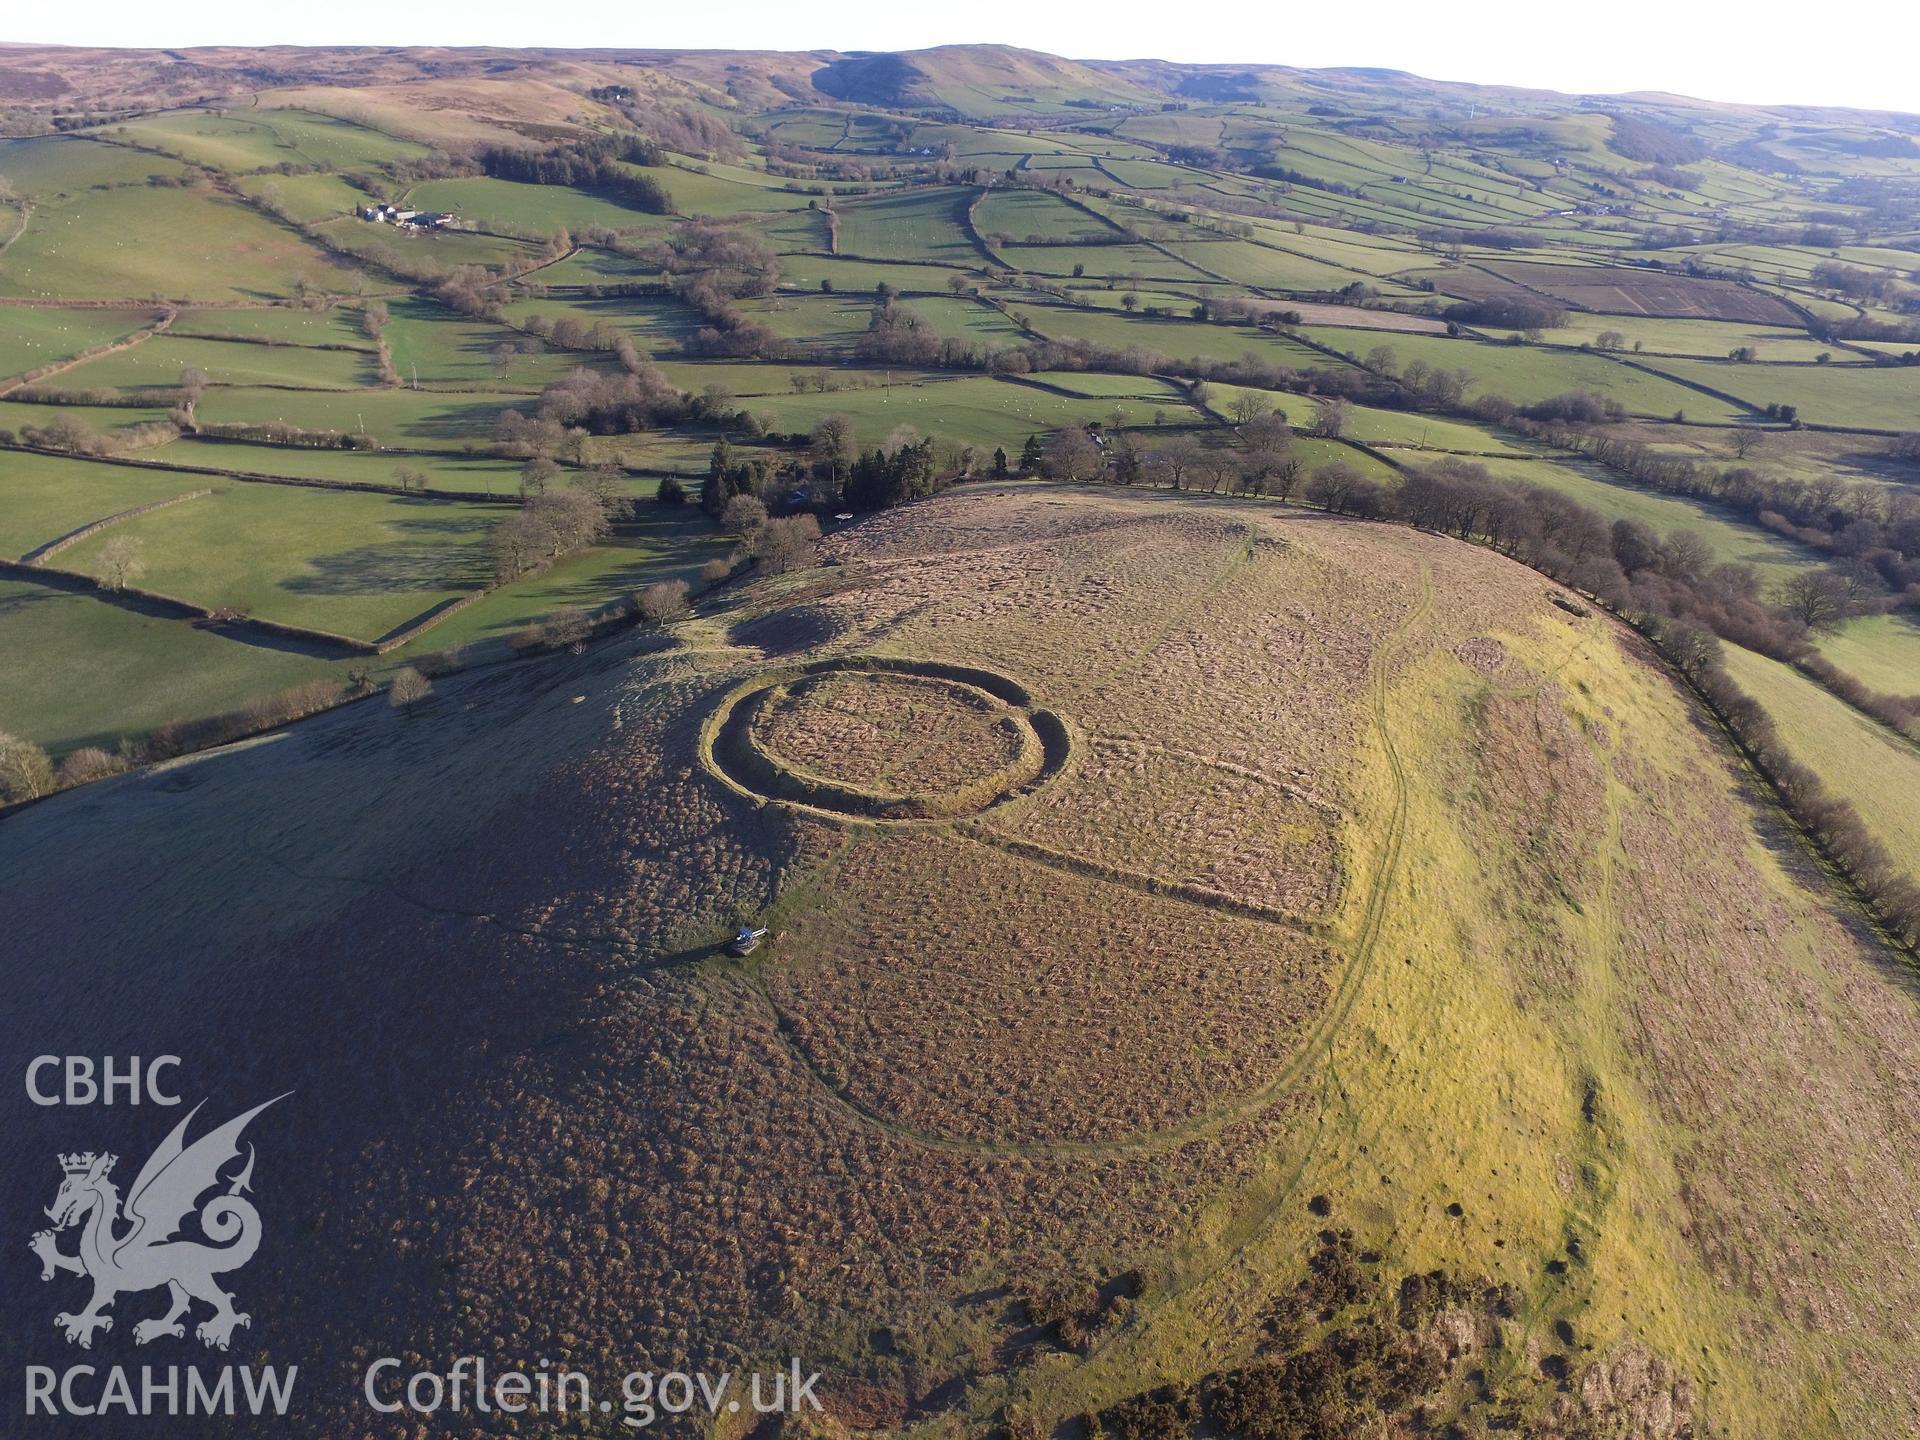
(786, 544)
(1072, 455)
(743, 516)
(1248, 406)
(25, 771)
(1816, 598)
(409, 687)
(120, 563)
(663, 602)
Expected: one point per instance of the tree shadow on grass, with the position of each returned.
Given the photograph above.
(432, 553)
(469, 421)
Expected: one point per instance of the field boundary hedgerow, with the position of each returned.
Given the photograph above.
(188, 609)
(96, 352)
(41, 554)
(256, 477)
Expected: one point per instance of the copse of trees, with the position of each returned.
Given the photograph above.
(554, 523)
(899, 335)
(1509, 312)
(1577, 407)
(1652, 143)
(710, 265)
(786, 543)
(881, 479)
(593, 164)
(590, 402)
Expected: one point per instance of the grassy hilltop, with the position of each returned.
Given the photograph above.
(1350, 929)
(1235, 967)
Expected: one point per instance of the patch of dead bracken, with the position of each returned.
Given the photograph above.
(1482, 653)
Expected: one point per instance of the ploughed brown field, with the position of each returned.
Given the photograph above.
(1622, 291)
(1380, 968)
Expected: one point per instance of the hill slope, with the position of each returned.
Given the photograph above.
(1200, 936)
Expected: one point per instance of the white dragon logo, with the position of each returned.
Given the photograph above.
(148, 1254)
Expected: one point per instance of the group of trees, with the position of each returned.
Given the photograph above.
(545, 528)
(590, 402)
(595, 164)
(1877, 525)
(1525, 313)
(731, 476)
(881, 478)
(553, 521)
(712, 265)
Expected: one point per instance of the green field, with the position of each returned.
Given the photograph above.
(974, 410)
(724, 194)
(1882, 652)
(1264, 267)
(1416, 432)
(656, 324)
(434, 346)
(159, 362)
(422, 419)
(1860, 760)
(1132, 265)
(1178, 339)
(1097, 385)
(32, 337)
(170, 243)
(973, 321)
(820, 322)
(42, 498)
(340, 561)
(82, 671)
(1877, 397)
(50, 166)
(383, 248)
(17, 415)
(479, 475)
(304, 198)
(854, 276)
(1022, 214)
(1709, 339)
(924, 225)
(590, 265)
(257, 140)
(279, 324)
(1526, 374)
(515, 209)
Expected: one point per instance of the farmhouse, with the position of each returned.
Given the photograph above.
(408, 219)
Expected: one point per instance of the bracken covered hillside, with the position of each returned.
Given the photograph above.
(1226, 968)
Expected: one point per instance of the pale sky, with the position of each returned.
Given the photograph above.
(1761, 53)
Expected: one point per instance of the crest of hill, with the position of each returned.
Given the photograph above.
(975, 81)
(1371, 878)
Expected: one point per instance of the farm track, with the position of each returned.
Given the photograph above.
(1314, 1046)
